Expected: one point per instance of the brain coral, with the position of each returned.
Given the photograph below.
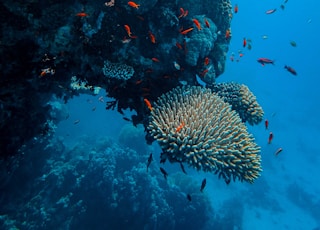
(195, 126)
(242, 100)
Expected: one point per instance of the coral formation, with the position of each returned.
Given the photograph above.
(95, 175)
(242, 100)
(195, 126)
(117, 71)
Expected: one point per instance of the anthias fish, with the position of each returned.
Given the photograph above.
(290, 69)
(264, 61)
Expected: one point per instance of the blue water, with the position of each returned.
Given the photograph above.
(284, 197)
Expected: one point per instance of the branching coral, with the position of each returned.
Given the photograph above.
(242, 100)
(195, 126)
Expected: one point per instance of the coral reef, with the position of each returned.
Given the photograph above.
(195, 126)
(64, 189)
(242, 100)
(117, 71)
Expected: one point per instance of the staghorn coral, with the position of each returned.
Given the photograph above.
(195, 126)
(242, 100)
(117, 70)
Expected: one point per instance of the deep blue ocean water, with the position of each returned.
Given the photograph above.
(286, 194)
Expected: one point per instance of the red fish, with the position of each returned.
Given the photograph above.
(290, 69)
(270, 138)
(266, 123)
(128, 30)
(133, 4)
(236, 8)
(197, 23)
(183, 13)
(180, 127)
(206, 61)
(82, 14)
(152, 37)
(184, 32)
(264, 61)
(244, 42)
(228, 34)
(271, 11)
(148, 103)
(207, 23)
(155, 59)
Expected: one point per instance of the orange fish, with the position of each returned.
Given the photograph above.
(133, 4)
(180, 127)
(128, 30)
(148, 103)
(207, 23)
(206, 61)
(155, 59)
(244, 42)
(184, 32)
(228, 34)
(236, 8)
(179, 45)
(197, 23)
(152, 37)
(82, 14)
(183, 13)
(204, 72)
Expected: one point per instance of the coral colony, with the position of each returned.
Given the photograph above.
(138, 61)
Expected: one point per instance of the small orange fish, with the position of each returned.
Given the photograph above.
(179, 45)
(241, 54)
(236, 8)
(204, 72)
(184, 32)
(155, 59)
(128, 30)
(133, 4)
(180, 127)
(152, 37)
(197, 23)
(244, 42)
(82, 14)
(206, 61)
(183, 13)
(207, 23)
(148, 103)
(228, 34)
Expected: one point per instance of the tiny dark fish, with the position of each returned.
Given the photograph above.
(279, 150)
(149, 161)
(271, 11)
(293, 43)
(291, 70)
(270, 138)
(94, 108)
(165, 174)
(282, 7)
(264, 61)
(203, 184)
(126, 119)
(182, 168)
(76, 122)
(189, 197)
